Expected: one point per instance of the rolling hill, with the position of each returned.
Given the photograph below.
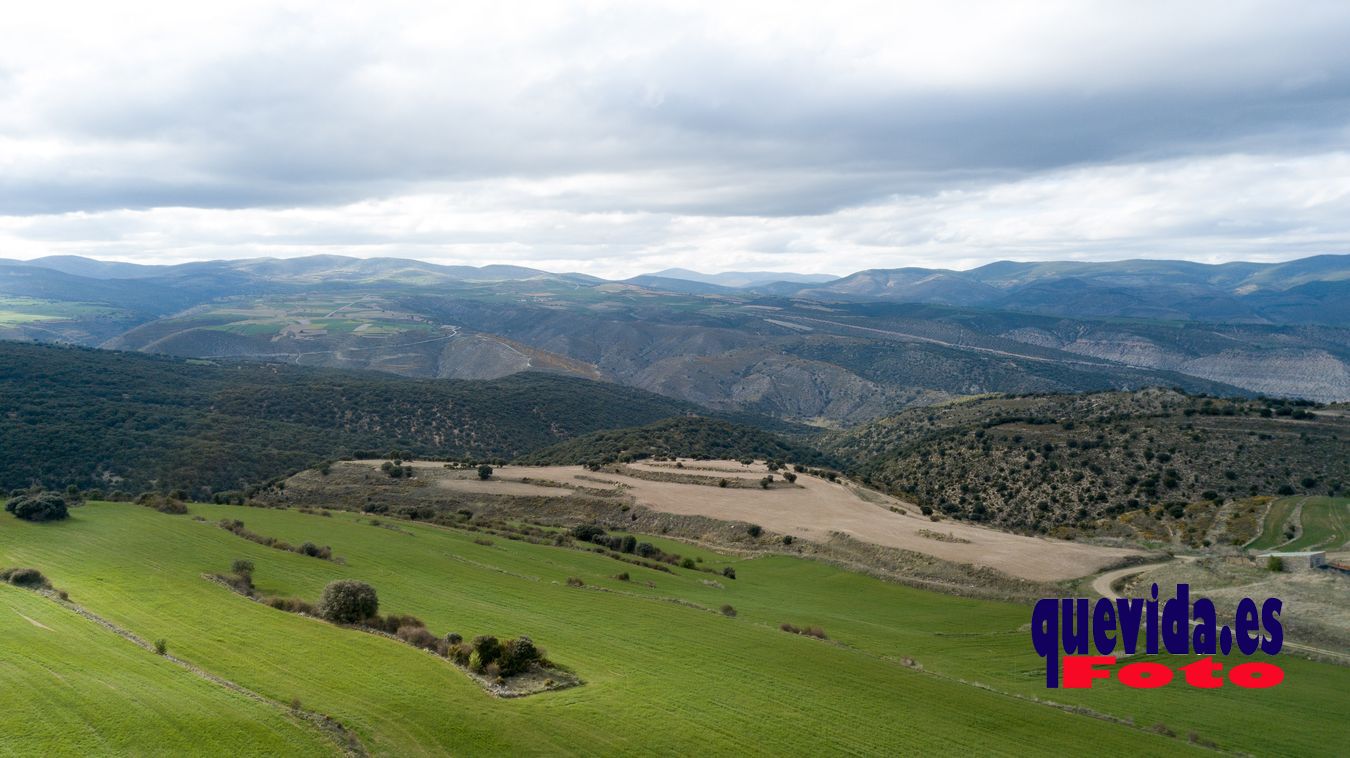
(125, 421)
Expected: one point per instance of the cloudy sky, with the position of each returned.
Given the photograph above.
(614, 138)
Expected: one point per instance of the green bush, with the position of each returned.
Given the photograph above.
(43, 506)
(347, 601)
(517, 655)
(1275, 563)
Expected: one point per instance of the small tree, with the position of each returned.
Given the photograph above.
(1275, 563)
(766, 481)
(242, 567)
(347, 601)
(484, 472)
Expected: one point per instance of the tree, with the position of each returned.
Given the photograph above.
(484, 472)
(347, 601)
(242, 567)
(766, 481)
(43, 506)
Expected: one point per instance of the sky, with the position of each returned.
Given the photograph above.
(620, 138)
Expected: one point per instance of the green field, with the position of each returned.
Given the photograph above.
(1325, 522)
(15, 311)
(664, 670)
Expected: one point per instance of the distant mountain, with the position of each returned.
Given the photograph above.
(1312, 290)
(838, 352)
(742, 279)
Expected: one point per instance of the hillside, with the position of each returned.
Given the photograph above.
(1039, 462)
(687, 437)
(127, 421)
(642, 640)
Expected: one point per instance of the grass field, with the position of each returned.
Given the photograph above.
(71, 687)
(664, 670)
(1325, 522)
(15, 311)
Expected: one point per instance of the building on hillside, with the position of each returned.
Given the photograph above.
(1302, 560)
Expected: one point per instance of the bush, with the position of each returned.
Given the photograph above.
(787, 539)
(242, 567)
(517, 655)
(418, 636)
(25, 577)
(723, 483)
(44, 506)
(587, 532)
(486, 650)
(766, 481)
(729, 572)
(755, 530)
(347, 601)
(484, 472)
(573, 581)
(1275, 563)
(728, 611)
(623, 577)
(161, 646)
(291, 605)
(688, 563)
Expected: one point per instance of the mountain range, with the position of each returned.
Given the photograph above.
(810, 348)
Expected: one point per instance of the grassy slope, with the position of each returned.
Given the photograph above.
(660, 674)
(73, 688)
(1325, 521)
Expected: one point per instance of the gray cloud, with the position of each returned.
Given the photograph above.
(738, 129)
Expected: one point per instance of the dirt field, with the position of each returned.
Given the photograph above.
(810, 510)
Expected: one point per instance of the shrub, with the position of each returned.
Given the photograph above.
(766, 481)
(755, 530)
(587, 532)
(292, 605)
(728, 611)
(459, 653)
(347, 601)
(484, 472)
(790, 477)
(787, 539)
(729, 572)
(486, 649)
(484, 541)
(1275, 563)
(623, 577)
(25, 577)
(517, 655)
(161, 646)
(688, 563)
(418, 636)
(44, 506)
(723, 483)
(242, 567)
(573, 581)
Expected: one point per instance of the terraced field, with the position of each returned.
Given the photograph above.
(664, 670)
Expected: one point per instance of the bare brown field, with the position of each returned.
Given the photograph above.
(811, 510)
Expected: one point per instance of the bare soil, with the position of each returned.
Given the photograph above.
(814, 509)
